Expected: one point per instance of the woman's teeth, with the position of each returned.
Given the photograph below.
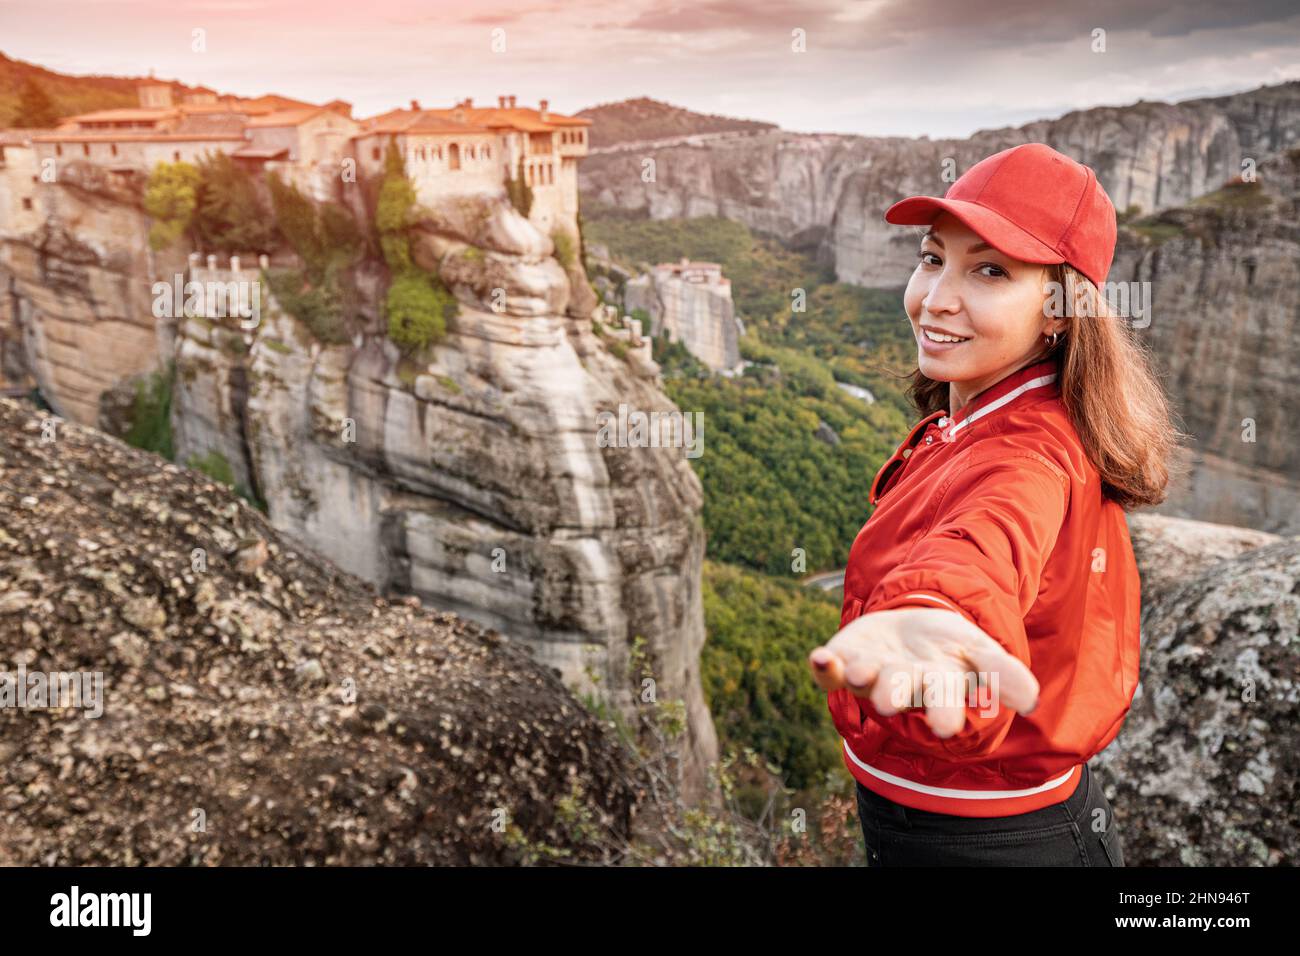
(936, 337)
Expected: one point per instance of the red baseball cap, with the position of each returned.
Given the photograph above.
(1033, 204)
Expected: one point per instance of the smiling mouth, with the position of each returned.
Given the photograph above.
(937, 337)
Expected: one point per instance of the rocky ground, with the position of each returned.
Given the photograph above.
(260, 706)
(1206, 771)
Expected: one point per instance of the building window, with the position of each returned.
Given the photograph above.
(176, 156)
(27, 202)
(488, 151)
(374, 152)
(454, 154)
(58, 150)
(113, 147)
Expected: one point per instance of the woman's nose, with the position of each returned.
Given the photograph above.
(943, 295)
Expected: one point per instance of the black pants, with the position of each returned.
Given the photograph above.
(1078, 831)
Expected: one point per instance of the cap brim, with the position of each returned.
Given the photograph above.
(994, 228)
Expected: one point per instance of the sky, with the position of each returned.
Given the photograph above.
(871, 67)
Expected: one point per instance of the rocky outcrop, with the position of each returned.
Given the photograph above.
(472, 478)
(78, 291)
(1205, 771)
(255, 705)
(699, 314)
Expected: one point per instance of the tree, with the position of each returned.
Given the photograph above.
(325, 236)
(170, 197)
(35, 108)
(229, 215)
(393, 212)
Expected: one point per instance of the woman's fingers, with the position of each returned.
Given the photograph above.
(827, 668)
(1016, 685)
(861, 674)
(896, 687)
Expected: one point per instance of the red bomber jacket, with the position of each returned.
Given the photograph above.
(997, 514)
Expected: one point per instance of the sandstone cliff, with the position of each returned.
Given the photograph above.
(1224, 284)
(700, 315)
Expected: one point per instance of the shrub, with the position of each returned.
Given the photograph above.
(520, 193)
(151, 418)
(563, 248)
(35, 108)
(417, 308)
(215, 465)
(321, 306)
(325, 236)
(170, 197)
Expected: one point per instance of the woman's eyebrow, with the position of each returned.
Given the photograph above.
(976, 247)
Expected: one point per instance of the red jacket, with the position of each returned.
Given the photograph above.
(997, 514)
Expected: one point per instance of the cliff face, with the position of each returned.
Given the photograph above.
(697, 314)
(832, 190)
(77, 317)
(1224, 274)
(475, 480)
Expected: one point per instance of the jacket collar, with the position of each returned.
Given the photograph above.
(1038, 378)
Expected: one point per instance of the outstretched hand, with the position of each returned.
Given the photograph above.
(918, 656)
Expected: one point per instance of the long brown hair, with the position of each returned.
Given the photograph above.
(1110, 391)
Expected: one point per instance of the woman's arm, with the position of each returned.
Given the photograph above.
(948, 620)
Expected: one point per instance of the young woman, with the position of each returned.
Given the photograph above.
(989, 635)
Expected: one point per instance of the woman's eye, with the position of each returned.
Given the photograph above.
(922, 256)
(998, 271)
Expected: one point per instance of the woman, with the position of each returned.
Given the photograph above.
(989, 635)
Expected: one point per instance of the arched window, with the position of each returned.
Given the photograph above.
(453, 156)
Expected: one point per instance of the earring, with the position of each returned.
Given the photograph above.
(1051, 343)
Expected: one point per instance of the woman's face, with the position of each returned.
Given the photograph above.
(995, 304)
